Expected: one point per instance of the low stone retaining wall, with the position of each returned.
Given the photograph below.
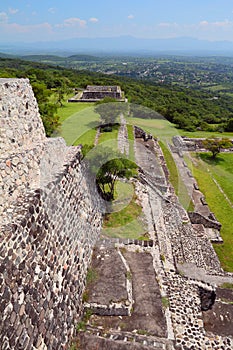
(197, 218)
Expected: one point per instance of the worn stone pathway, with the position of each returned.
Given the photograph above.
(123, 143)
(167, 280)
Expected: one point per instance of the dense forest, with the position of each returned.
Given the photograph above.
(189, 109)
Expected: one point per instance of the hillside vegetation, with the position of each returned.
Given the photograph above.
(187, 108)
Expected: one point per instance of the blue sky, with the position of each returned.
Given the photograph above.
(45, 20)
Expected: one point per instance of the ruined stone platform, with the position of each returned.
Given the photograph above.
(126, 276)
(175, 302)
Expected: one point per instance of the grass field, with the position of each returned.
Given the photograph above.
(78, 118)
(77, 122)
(221, 169)
(68, 109)
(126, 219)
(78, 126)
(176, 181)
(163, 129)
(108, 136)
(206, 172)
(88, 138)
(204, 134)
(131, 142)
(160, 128)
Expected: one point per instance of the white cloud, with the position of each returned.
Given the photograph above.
(218, 24)
(18, 28)
(204, 23)
(13, 11)
(52, 10)
(3, 18)
(72, 22)
(93, 20)
(130, 16)
(167, 25)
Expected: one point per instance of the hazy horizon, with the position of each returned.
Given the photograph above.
(55, 20)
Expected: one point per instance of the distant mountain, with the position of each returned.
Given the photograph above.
(123, 44)
(5, 55)
(42, 58)
(57, 59)
(86, 58)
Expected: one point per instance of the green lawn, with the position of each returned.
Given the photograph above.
(126, 219)
(79, 123)
(163, 129)
(204, 134)
(70, 108)
(221, 169)
(205, 171)
(131, 142)
(110, 135)
(160, 128)
(88, 138)
(175, 179)
(78, 126)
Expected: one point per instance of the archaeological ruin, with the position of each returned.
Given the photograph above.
(94, 93)
(164, 292)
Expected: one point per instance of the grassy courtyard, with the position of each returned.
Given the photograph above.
(215, 180)
(77, 120)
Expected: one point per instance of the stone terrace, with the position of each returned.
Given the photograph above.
(50, 220)
(177, 270)
(94, 93)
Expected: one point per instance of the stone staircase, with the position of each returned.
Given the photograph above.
(99, 339)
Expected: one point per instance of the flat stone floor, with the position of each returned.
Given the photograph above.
(109, 283)
(219, 320)
(147, 316)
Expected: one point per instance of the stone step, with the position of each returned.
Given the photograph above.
(121, 340)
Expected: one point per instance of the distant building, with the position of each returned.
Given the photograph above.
(94, 93)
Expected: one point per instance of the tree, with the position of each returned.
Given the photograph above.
(49, 117)
(47, 110)
(229, 125)
(109, 110)
(183, 122)
(214, 145)
(110, 172)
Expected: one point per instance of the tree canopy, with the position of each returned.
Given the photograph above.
(214, 145)
(110, 172)
(187, 108)
(109, 110)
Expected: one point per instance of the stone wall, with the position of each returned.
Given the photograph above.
(20, 123)
(183, 143)
(197, 218)
(100, 92)
(22, 140)
(47, 235)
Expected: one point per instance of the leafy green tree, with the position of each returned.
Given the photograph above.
(47, 110)
(110, 172)
(109, 110)
(183, 122)
(62, 89)
(229, 125)
(214, 145)
(41, 92)
(49, 117)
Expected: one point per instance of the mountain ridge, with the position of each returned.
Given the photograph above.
(121, 44)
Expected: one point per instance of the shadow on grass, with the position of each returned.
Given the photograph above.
(208, 158)
(93, 125)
